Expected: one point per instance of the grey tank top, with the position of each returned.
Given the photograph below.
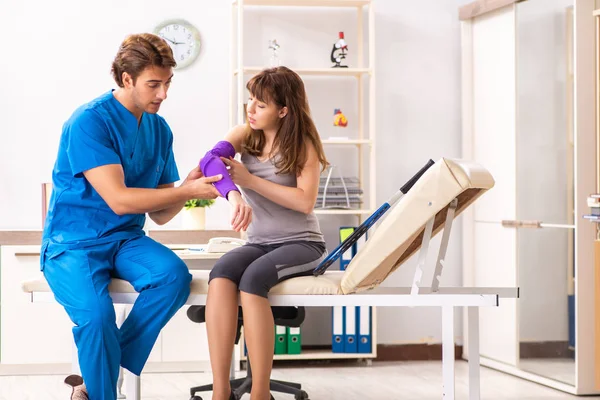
(272, 223)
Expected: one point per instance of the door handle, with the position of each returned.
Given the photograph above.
(532, 224)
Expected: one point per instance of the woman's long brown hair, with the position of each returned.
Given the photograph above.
(284, 87)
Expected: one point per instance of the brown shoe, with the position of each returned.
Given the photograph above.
(76, 382)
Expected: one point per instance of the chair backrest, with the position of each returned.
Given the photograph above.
(283, 315)
(400, 233)
(46, 194)
(289, 316)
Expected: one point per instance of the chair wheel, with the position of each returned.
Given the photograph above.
(301, 396)
(196, 398)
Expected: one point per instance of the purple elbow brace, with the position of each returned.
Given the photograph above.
(212, 165)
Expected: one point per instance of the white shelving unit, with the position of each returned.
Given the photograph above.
(356, 72)
(359, 73)
(364, 144)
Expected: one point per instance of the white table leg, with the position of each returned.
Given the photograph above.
(474, 367)
(75, 369)
(448, 352)
(132, 386)
(120, 381)
(122, 312)
(232, 366)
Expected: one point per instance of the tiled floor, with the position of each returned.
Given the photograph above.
(559, 369)
(383, 380)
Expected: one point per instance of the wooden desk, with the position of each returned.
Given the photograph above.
(184, 251)
(25, 348)
(165, 236)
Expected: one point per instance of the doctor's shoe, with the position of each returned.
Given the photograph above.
(76, 382)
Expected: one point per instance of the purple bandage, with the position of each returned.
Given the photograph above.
(212, 165)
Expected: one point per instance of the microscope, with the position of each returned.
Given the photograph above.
(341, 47)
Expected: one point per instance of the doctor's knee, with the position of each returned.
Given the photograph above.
(96, 315)
(182, 279)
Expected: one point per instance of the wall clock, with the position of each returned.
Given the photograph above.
(184, 39)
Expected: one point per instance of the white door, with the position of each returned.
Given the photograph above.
(489, 124)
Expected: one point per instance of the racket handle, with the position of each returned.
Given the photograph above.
(408, 185)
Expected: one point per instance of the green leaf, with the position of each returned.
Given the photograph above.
(193, 203)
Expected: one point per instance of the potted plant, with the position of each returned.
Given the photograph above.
(194, 214)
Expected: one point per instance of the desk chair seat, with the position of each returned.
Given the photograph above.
(283, 316)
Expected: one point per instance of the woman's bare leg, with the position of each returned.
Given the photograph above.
(259, 334)
(221, 325)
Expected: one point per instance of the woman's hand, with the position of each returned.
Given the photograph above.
(238, 172)
(241, 214)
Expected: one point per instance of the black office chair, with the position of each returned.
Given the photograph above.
(283, 316)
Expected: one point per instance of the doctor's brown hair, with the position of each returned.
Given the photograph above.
(138, 52)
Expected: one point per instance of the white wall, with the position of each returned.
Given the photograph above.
(61, 59)
(418, 87)
(542, 146)
(62, 52)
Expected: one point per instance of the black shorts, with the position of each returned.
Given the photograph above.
(256, 268)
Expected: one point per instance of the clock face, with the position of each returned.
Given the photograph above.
(184, 40)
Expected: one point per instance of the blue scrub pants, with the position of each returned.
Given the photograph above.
(79, 279)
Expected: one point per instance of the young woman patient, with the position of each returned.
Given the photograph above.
(282, 158)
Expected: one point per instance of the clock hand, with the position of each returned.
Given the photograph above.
(166, 38)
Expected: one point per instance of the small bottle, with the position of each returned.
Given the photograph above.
(274, 60)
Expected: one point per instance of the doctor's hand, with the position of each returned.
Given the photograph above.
(238, 172)
(194, 174)
(241, 212)
(203, 188)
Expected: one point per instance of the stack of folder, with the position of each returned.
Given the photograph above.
(339, 192)
(287, 340)
(593, 202)
(351, 325)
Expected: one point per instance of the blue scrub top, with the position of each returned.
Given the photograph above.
(99, 133)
